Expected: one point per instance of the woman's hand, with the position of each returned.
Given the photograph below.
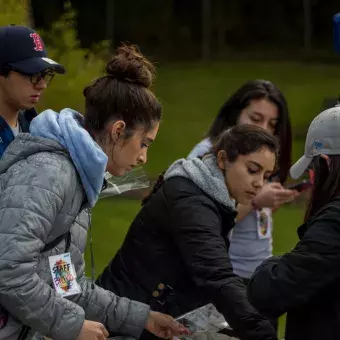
(164, 326)
(273, 195)
(92, 330)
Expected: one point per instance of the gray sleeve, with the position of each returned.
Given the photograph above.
(200, 149)
(29, 204)
(118, 314)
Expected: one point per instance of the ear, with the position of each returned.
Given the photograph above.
(222, 159)
(326, 157)
(117, 129)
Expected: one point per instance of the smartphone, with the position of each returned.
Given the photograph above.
(302, 186)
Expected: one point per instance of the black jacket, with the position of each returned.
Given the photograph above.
(180, 239)
(305, 283)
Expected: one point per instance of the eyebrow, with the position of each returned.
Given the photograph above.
(261, 114)
(257, 164)
(148, 140)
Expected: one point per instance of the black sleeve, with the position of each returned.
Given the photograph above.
(196, 228)
(282, 283)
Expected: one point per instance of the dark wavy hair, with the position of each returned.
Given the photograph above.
(229, 114)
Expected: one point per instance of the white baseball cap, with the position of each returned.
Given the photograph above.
(323, 137)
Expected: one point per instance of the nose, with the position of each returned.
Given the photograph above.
(259, 183)
(264, 125)
(41, 85)
(142, 158)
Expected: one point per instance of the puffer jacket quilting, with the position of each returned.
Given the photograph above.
(41, 198)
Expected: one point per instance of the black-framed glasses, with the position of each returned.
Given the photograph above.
(47, 76)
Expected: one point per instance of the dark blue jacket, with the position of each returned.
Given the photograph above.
(6, 133)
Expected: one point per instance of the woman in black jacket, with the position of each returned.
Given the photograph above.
(175, 255)
(305, 283)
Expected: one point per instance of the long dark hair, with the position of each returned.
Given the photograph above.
(229, 113)
(326, 183)
(239, 140)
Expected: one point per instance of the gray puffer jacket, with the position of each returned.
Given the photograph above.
(41, 198)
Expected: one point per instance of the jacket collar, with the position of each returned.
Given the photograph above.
(25, 118)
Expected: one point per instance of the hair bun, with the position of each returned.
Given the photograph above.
(128, 64)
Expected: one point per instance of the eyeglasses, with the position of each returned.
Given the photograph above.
(47, 76)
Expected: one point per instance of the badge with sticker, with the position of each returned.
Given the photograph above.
(63, 275)
(264, 223)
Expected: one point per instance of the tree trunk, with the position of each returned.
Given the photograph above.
(29, 9)
(308, 27)
(221, 17)
(206, 29)
(110, 22)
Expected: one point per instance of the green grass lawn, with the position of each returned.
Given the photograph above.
(110, 221)
(192, 93)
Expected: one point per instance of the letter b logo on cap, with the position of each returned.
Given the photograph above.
(38, 43)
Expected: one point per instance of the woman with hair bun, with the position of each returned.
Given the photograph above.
(49, 181)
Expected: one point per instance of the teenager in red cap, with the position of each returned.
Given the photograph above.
(25, 72)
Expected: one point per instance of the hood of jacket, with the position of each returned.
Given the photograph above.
(206, 174)
(64, 133)
(67, 129)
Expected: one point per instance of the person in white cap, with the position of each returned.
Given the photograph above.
(304, 283)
